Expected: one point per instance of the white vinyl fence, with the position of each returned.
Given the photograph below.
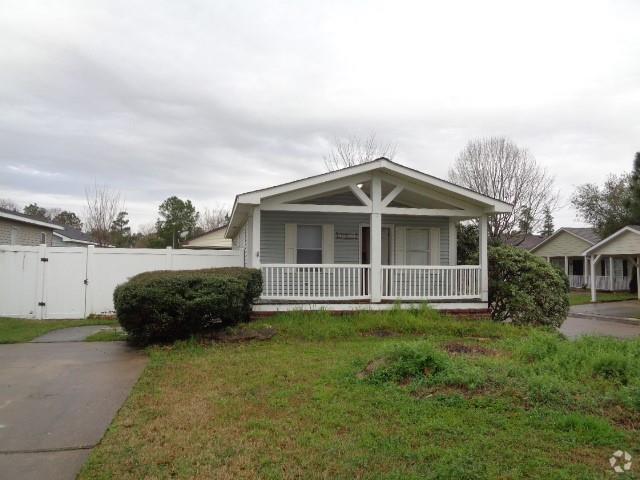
(73, 282)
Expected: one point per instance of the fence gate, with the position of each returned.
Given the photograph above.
(64, 273)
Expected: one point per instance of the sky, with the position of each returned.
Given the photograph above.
(207, 99)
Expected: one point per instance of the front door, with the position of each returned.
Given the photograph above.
(365, 246)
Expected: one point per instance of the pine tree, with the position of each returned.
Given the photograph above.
(525, 221)
(634, 198)
(547, 225)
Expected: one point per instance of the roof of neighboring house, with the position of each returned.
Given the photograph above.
(70, 234)
(587, 234)
(629, 228)
(213, 238)
(527, 243)
(246, 201)
(21, 217)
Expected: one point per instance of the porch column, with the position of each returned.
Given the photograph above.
(566, 265)
(375, 240)
(453, 242)
(585, 270)
(593, 279)
(484, 260)
(611, 272)
(254, 261)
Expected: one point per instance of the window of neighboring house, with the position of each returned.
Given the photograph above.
(577, 267)
(418, 246)
(625, 268)
(603, 267)
(309, 245)
(43, 237)
(14, 236)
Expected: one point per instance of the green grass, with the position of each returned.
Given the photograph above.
(110, 335)
(395, 395)
(580, 298)
(17, 330)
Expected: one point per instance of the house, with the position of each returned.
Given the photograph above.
(623, 247)
(363, 237)
(213, 239)
(71, 237)
(19, 229)
(566, 250)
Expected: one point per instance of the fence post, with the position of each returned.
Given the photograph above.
(41, 282)
(88, 281)
(169, 258)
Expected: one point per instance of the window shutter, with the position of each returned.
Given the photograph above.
(327, 243)
(434, 245)
(290, 242)
(401, 235)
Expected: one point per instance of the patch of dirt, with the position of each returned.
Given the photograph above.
(456, 348)
(371, 367)
(243, 335)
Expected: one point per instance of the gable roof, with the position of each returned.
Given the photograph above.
(245, 201)
(629, 228)
(21, 217)
(529, 241)
(587, 234)
(70, 234)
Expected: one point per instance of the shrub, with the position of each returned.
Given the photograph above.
(525, 289)
(169, 305)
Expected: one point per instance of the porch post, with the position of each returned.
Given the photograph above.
(375, 240)
(453, 242)
(611, 272)
(585, 270)
(593, 279)
(566, 265)
(484, 261)
(255, 238)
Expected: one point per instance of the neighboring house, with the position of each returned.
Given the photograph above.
(71, 237)
(622, 247)
(213, 239)
(19, 229)
(566, 250)
(363, 237)
(525, 242)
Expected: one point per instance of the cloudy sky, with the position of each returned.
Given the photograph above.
(206, 99)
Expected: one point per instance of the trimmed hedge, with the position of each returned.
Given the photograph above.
(164, 306)
(525, 289)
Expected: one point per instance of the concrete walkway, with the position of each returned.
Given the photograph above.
(56, 401)
(73, 334)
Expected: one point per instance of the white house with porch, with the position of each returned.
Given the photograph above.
(363, 237)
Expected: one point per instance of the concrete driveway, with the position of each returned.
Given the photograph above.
(616, 319)
(56, 401)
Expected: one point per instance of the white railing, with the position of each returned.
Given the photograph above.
(315, 282)
(430, 282)
(602, 282)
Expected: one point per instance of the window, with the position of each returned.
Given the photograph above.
(418, 246)
(43, 237)
(14, 236)
(577, 267)
(625, 268)
(309, 245)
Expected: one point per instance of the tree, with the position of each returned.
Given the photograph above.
(103, 206)
(547, 223)
(177, 216)
(633, 202)
(8, 204)
(121, 231)
(467, 243)
(68, 218)
(606, 208)
(213, 218)
(354, 150)
(525, 221)
(147, 237)
(498, 168)
(35, 211)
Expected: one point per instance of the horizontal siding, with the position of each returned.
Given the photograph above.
(627, 243)
(345, 251)
(563, 244)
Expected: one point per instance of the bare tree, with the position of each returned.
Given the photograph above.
(8, 204)
(354, 150)
(103, 206)
(213, 217)
(498, 168)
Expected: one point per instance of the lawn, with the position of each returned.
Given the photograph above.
(17, 330)
(580, 298)
(396, 395)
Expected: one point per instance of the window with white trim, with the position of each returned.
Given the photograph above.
(309, 244)
(418, 246)
(43, 237)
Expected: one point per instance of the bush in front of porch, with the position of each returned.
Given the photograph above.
(165, 306)
(524, 289)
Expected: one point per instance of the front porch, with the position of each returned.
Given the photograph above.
(364, 237)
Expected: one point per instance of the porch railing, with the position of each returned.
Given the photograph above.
(430, 282)
(602, 282)
(315, 282)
